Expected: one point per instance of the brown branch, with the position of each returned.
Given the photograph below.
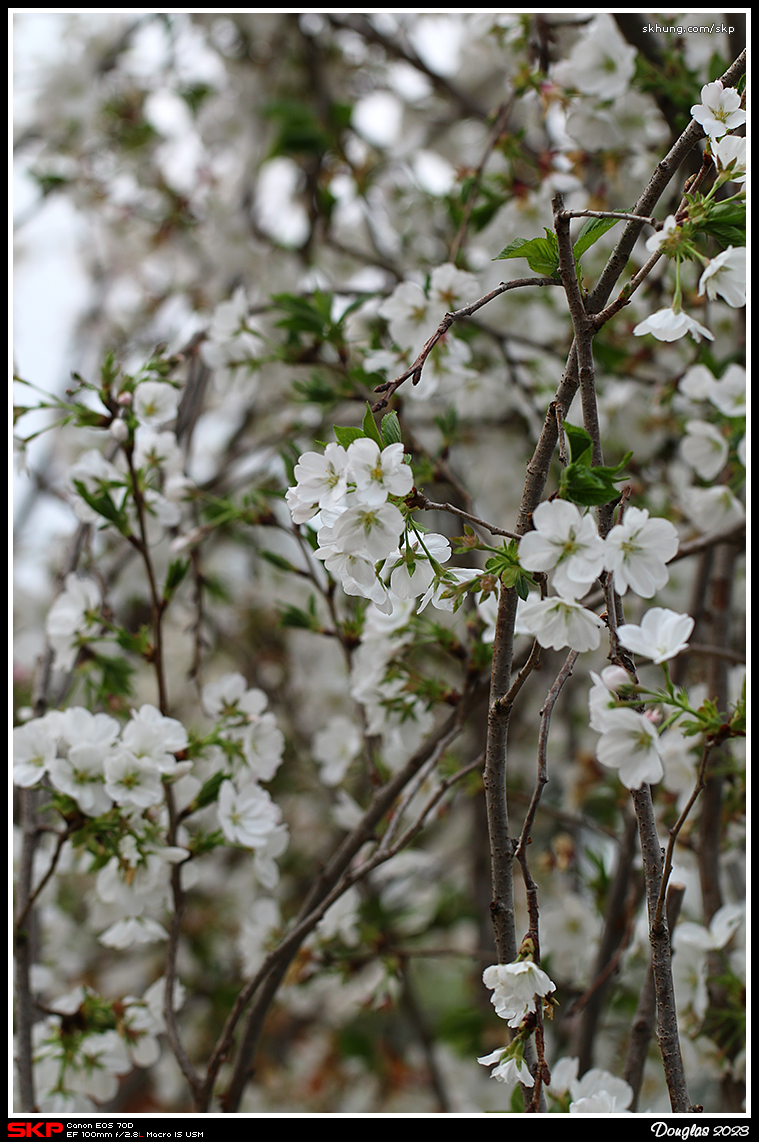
(661, 957)
(421, 501)
(644, 1020)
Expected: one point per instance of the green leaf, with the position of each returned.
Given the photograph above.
(391, 429)
(726, 223)
(209, 792)
(542, 254)
(178, 568)
(347, 434)
(104, 506)
(591, 486)
(593, 229)
(277, 560)
(505, 564)
(297, 619)
(580, 443)
(370, 427)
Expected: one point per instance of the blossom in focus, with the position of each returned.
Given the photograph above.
(510, 1071)
(378, 473)
(602, 698)
(81, 775)
(322, 481)
(704, 448)
(719, 110)
(412, 572)
(154, 738)
(566, 540)
(662, 634)
(662, 237)
(371, 532)
(558, 622)
(515, 987)
(630, 744)
(670, 325)
(637, 550)
(726, 276)
(729, 154)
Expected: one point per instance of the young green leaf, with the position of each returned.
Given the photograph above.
(542, 254)
(593, 229)
(391, 429)
(370, 427)
(347, 434)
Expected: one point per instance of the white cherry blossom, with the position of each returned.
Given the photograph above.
(630, 744)
(637, 550)
(414, 573)
(725, 276)
(566, 540)
(728, 394)
(247, 816)
(558, 622)
(601, 63)
(729, 154)
(510, 1071)
(515, 987)
(73, 618)
(713, 508)
(377, 473)
(371, 532)
(131, 781)
(335, 747)
(155, 403)
(704, 448)
(34, 749)
(719, 110)
(670, 325)
(662, 634)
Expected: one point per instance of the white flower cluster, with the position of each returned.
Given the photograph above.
(233, 345)
(724, 275)
(350, 488)
(68, 1080)
(566, 542)
(410, 314)
(515, 988)
(629, 739)
(92, 759)
(247, 814)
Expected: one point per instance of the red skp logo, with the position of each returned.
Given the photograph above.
(34, 1129)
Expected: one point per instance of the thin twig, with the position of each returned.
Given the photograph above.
(415, 370)
(421, 501)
